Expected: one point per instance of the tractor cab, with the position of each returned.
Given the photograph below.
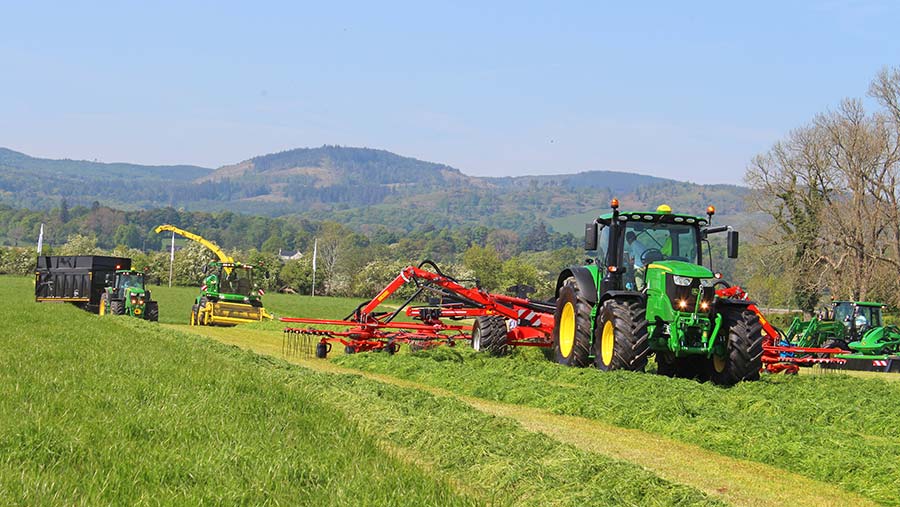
(857, 316)
(231, 281)
(133, 280)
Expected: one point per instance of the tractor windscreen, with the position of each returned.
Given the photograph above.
(647, 242)
(238, 280)
(131, 281)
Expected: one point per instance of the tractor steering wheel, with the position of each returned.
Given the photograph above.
(651, 255)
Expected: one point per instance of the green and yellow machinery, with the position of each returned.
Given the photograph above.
(228, 294)
(125, 294)
(648, 292)
(846, 322)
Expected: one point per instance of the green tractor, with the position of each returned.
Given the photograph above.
(847, 322)
(647, 292)
(125, 295)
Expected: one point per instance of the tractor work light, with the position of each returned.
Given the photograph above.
(704, 305)
(683, 281)
(614, 204)
(664, 208)
(682, 304)
(710, 210)
(612, 269)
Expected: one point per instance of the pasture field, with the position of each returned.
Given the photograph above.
(117, 410)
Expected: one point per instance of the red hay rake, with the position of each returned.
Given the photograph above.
(529, 323)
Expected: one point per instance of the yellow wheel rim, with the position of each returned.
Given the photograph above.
(102, 307)
(718, 363)
(607, 343)
(567, 330)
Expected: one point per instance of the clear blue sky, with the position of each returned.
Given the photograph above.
(675, 89)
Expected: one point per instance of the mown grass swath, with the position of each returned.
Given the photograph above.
(832, 428)
(120, 411)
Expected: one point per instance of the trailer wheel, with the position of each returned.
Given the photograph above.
(489, 335)
(152, 311)
(621, 337)
(744, 357)
(321, 350)
(117, 307)
(572, 332)
(104, 303)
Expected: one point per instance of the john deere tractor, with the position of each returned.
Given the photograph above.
(228, 295)
(847, 321)
(125, 295)
(647, 292)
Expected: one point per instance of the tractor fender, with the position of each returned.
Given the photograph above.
(583, 278)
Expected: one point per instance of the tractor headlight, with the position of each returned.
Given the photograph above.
(682, 304)
(683, 281)
(707, 282)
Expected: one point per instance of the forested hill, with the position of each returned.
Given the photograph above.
(41, 183)
(361, 187)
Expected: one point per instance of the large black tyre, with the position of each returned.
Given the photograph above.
(202, 316)
(621, 340)
(117, 307)
(322, 350)
(572, 332)
(489, 335)
(153, 311)
(194, 317)
(104, 304)
(743, 360)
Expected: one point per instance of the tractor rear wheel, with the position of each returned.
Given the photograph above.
(489, 335)
(572, 332)
(152, 311)
(835, 343)
(743, 359)
(621, 337)
(117, 307)
(104, 304)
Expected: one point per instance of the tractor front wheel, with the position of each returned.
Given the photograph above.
(152, 311)
(621, 337)
(104, 304)
(117, 307)
(743, 358)
(572, 332)
(489, 335)
(835, 343)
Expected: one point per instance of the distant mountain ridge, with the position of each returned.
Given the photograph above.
(362, 187)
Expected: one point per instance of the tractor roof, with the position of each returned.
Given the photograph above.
(859, 303)
(655, 217)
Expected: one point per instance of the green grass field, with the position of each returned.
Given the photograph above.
(115, 410)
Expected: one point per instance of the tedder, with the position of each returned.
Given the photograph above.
(645, 292)
(228, 295)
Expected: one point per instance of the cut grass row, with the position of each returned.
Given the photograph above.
(120, 411)
(832, 428)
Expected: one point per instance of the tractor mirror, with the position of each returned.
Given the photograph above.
(108, 279)
(732, 241)
(590, 236)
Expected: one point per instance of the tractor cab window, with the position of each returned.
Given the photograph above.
(602, 246)
(236, 281)
(131, 281)
(867, 317)
(647, 242)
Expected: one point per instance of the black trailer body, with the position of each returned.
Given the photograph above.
(78, 279)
